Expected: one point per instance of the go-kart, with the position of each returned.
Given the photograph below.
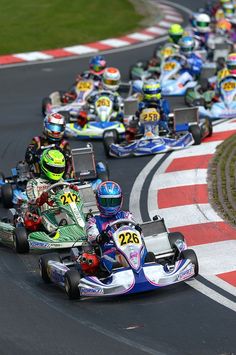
(226, 106)
(185, 129)
(100, 117)
(174, 79)
(147, 260)
(143, 70)
(85, 170)
(58, 226)
(60, 101)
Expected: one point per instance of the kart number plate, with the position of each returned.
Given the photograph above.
(150, 116)
(231, 85)
(169, 66)
(129, 237)
(68, 198)
(84, 86)
(167, 52)
(103, 102)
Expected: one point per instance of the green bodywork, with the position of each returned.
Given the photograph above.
(196, 97)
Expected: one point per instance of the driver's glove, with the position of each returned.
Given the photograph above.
(103, 237)
(74, 187)
(43, 198)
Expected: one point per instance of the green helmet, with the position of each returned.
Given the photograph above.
(175, 32)
(52, 163)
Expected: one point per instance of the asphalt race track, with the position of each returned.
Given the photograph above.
(39, 319)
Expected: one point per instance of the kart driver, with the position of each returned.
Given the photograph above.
(194, 62)
(109, 199)
(109, 87)
(53, 133)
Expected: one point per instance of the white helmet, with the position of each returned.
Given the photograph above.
(111, 79)
(203, 23)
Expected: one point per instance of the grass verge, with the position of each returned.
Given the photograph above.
(29, 25)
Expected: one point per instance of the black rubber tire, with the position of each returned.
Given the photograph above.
(72, 280)
(210, 127)
(45, 102)
(108, 140)
(204, 84)
(20, 240)
(7, 195)
(173, 237)
(220, 63)
(150, 257)
(43, 264)
(191, 255)
(196, 133)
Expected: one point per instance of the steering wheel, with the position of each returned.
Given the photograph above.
(51, 188)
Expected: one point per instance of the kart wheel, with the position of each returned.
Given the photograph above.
(45, 102)
(191, 255)
(150, 257)
(7, 195)
(72, 280)
(2, 176)
(43, 265)
(173, 237)
(220, 62)
(210, 127)
(109, 137)
(196, 133)
(20, 240)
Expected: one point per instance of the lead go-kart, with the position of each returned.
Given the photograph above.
(185, 129)
(147, 260)
(100, 117)
(58, 224)
(85, 170)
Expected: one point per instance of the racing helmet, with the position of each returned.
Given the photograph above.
(97, 64)
(109, 198)
(187, 45)
(229, 10)
(111, 79)
(54, 126)
(203, 23)
(231, 63)
(175, 32)
(223, 26)
(52, 164)
(152, 90)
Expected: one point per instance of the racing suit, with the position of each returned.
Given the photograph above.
(162, 106)
(94, 228)
(194, 65)
(33, 152)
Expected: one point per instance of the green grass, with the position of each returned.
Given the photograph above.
(28, 25)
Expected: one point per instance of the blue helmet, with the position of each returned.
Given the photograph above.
(187, 45)
(109, 198)
(97, 64)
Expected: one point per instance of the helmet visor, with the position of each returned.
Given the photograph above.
(202, 24)
(98, 67)
(175, 37)
(110, 82)
(53, 127)
(110, 202)
(231, 66)
(53, 169)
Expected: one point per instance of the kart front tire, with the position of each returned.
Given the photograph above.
(191, 255)
(20, 240)
(72, 280)
(43, 265)
(7, 195)
(196, 133)
(109, 137)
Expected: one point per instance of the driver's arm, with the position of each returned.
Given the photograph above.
(92, 230)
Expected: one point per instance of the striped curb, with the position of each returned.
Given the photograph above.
(179, 193)
(171, 15)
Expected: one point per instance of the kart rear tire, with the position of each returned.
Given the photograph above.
(112, 137)
(72, 280)
(210, 127)
(43, 265)
(20, 240)
(7, 195)
(45, 102)
(191, 255)
(173, 237)
(196, 133)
